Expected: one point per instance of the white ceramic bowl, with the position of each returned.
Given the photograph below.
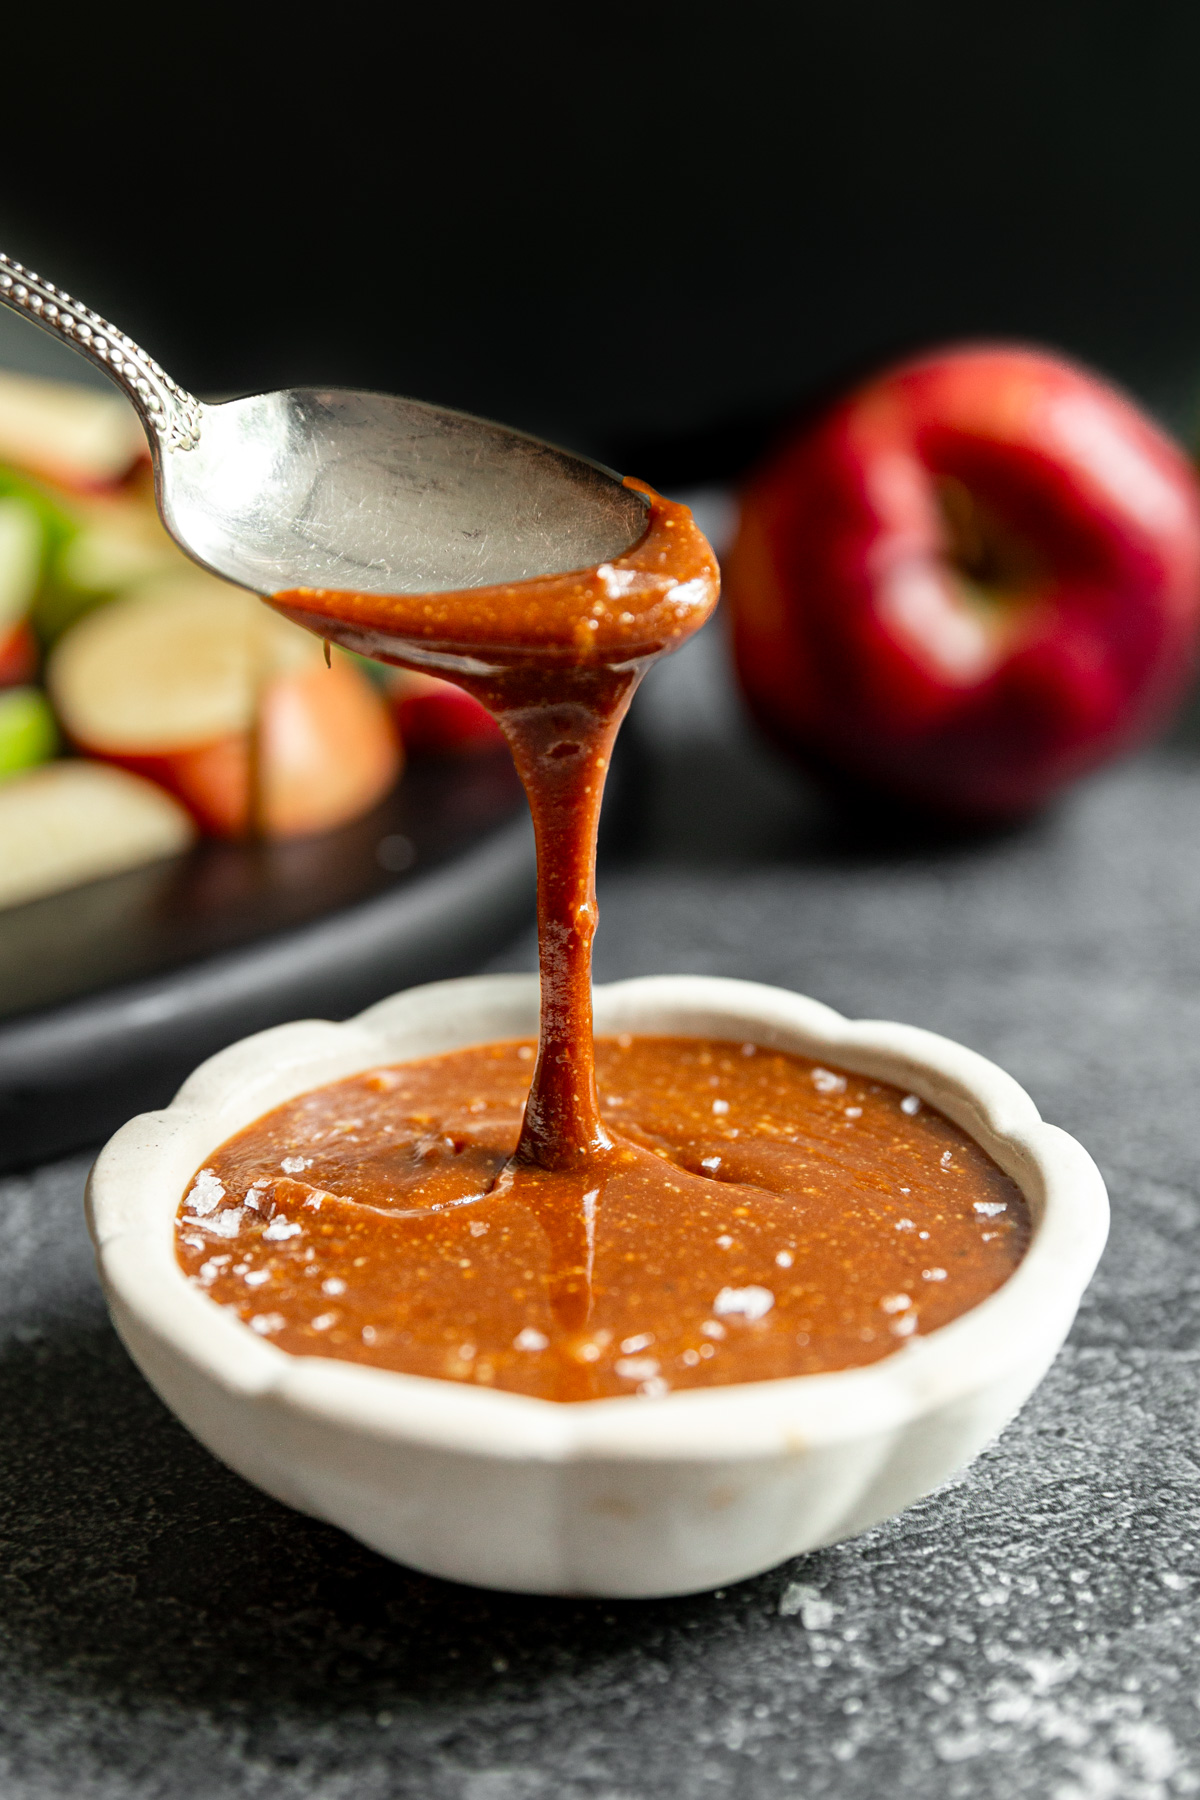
(627, 1496)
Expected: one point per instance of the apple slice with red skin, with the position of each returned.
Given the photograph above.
(969, 582)
(438, 718)
(201, 688)
(18, 654)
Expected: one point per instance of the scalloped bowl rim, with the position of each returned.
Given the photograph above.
(140, 1176)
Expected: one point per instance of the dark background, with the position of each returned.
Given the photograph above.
(652, 233)
(647, 231)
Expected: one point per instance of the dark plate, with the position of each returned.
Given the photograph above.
(111, 992)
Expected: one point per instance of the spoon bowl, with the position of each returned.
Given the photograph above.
(329, 488)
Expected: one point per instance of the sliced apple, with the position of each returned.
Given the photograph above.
(73, 435)
(18, 654)
(28, 734)
(22, 545)
(439, 718)
(201, 687)
(70, 822)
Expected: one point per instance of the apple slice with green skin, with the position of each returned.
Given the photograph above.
(22, 547)
(199, 686)
(28, 734)
(71, 822)
(73, 435)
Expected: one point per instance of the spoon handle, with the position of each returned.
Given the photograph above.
(171, 416)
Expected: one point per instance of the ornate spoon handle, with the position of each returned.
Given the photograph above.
(172, 417)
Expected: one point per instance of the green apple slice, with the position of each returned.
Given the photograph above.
(22, 545)
(28, 734)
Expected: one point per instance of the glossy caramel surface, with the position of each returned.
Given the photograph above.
(754, 1215)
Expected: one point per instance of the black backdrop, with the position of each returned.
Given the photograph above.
(648, 231)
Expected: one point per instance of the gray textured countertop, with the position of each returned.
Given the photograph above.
(1030, 1630)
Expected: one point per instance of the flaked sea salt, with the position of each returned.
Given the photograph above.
(323, 1321)
(720, 1107)
(853, 1112)
(784, 1258)
(743, 1303)
(910, 1104)
(711, 1163)
(225, 1224)
(653, 1388)
(334, 1286)
(531, 1339)
(933, 1274)
(990, 1209)
(208, 1191)
(265, 1323)
(631, 1345)
(826, 1082)
(280, 1229)
(256, 1277)
(636, 1368)
(712, 1328)
(296, 1165)
(905, 1225)
(478, 1227)
(904, 1326)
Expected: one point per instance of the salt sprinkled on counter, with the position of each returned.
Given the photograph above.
(744, 1303)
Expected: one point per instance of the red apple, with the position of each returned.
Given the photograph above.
(201, 688)
(969, 582)
(437, 717)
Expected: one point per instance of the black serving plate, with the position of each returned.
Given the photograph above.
(111, 992)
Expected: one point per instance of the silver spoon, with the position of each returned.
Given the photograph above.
(328, 488)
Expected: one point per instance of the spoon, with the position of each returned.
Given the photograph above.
(330, 488)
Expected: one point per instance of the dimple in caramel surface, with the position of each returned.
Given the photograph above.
(757, 1215)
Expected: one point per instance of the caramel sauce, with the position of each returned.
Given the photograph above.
(756, 1215)
(711, 1214)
